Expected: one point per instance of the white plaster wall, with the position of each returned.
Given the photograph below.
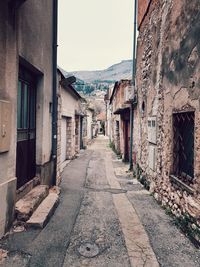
(69, 104)
(89, 125)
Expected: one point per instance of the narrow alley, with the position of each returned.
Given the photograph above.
(104, 218)
(99, 133)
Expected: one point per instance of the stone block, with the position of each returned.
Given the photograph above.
(44, 212)
(193, 207)
(29, 203)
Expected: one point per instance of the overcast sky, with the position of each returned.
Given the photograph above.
(94, 34)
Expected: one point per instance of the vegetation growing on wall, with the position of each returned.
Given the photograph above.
(142, 178)
(112, 146)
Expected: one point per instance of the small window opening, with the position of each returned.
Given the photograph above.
(153, 123)
(143, 107)
(183, 149)
(117, 128)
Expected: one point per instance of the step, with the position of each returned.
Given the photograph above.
(43, 213)
(25, 207)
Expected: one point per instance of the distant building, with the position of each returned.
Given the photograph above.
(120, 119)
(108, 123)
(90, 124)
(75, 122)
(70, 121)
(101, 119)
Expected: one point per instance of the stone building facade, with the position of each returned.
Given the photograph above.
(25, 98)
(90, 124)
(69, 125)
(167, 117)
(119, 113)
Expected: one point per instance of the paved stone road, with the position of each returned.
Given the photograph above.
(104, 219)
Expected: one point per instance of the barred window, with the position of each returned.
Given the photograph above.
(183, 149)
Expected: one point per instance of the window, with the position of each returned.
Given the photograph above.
(183, 148)
(152, 130)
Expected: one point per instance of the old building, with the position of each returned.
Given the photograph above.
(26, 37)
(108, 124)
(70, 121)
(75, 122)
(119, 113)
(90, 123)
(101, 120)
(167, 117)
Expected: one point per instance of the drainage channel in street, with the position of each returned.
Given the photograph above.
(109, 190)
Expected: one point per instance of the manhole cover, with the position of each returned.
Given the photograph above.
(88, 250)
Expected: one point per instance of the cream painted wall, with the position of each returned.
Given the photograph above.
(31, 38)
(8, 92)
(35, 46)
(89, 124)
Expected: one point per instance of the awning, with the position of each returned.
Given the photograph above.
(79, 113)
(121, 110)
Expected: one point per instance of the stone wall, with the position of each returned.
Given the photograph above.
(168, 82)
(142, 10)
(77, 134)
(58, 178)
(69, 152)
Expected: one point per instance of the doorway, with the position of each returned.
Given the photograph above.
(126, 140)
(26, 128)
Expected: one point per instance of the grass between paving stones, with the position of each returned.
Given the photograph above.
(142, 178)
(187, 224)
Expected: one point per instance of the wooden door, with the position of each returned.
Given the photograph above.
(26, 129)
(126, 140)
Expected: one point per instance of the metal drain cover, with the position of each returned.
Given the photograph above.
(88, 250)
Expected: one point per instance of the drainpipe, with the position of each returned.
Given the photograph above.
(54, 93)
(133, 101)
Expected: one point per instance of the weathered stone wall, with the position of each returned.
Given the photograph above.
(59, 118)
(69, 138)
(89, 124)
(77, 134)
(142, 9)
(168, 81)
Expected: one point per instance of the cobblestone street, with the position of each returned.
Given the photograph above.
(105, 218)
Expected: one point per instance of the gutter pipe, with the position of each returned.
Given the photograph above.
(133, 83)
(54, 93)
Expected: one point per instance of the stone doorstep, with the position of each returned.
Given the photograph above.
(25, 207)
(25, 189)
(44, 212)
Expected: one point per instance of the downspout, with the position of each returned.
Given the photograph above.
(54, 93)
(133, 101)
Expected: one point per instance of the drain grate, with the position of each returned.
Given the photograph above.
(88, 250)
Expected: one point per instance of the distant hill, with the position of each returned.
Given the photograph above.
(115, 72)
(89, 82)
